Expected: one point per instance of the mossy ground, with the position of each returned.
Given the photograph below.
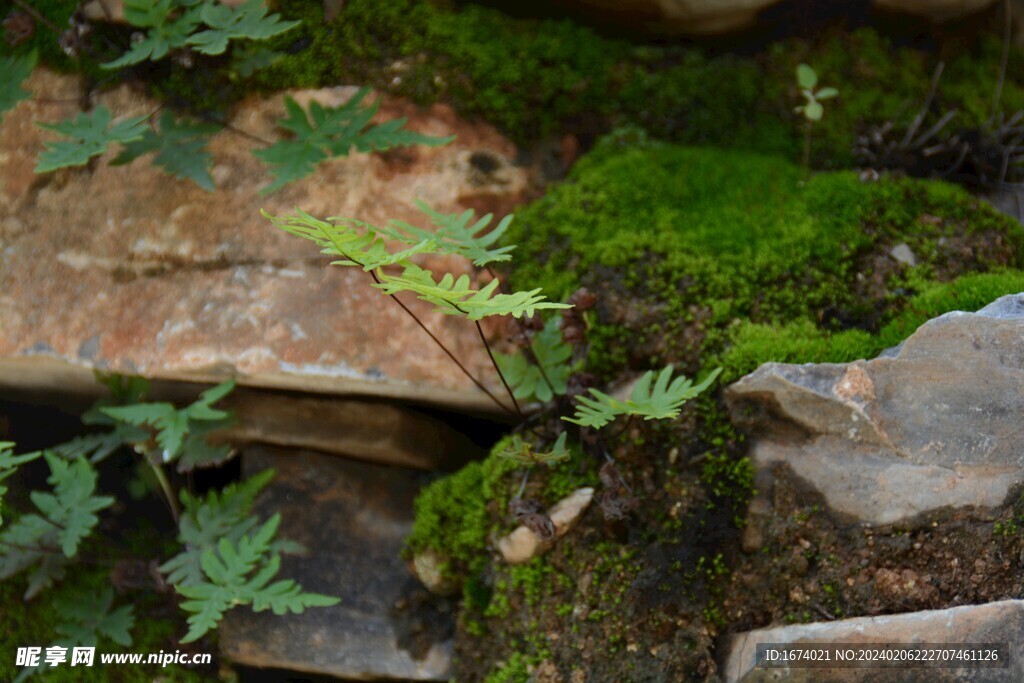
(701, 257)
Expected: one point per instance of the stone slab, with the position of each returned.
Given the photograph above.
(934, 423)
(353, 518)
(997, 622)
(127, 269)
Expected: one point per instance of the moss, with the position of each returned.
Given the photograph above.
(693, 251)
(34, 624)
(515, 670)
(453, 514)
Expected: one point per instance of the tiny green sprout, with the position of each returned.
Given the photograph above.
(524, 454)
(812, 108)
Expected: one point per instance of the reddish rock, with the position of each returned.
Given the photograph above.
(130, 270)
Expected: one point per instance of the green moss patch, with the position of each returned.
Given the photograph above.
(695, 251)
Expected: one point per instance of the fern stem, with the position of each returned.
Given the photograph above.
(165, 486)
(494, 362)
(447, 351)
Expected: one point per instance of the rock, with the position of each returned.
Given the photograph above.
(688, 17)
(361, 429)
(902, 253)
(971, 626)
(127, 269)
(428, 567)
(934, 10)
(934, 423)
(352, 517)
(522, 545)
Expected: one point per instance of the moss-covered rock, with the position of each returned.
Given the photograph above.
(694, 251)
(704, 258)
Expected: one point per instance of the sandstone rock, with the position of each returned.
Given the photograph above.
(127, 269)
(934, 10)
(933, 423)
(352, 517)
(997, 622)
(522, 545)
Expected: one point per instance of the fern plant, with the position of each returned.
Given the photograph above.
(172, 24)
(362, 245)
(544, 375)
(240, 573)
(179, 146)
(89, 135)
(48, 539)
(324, 132)
(661, 401)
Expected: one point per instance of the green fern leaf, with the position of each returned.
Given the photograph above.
(458, 234)
(325, 132)
(168, 25)
(226, 23)
(662, 401)
(87, 615)
(174, 427)
(68, 516)
(357, 243)
(13, 71)
(227, 582)
(91, 135)
(9, 463)
(204, 521)
(530, 381)
(455, 296)
(180, 148)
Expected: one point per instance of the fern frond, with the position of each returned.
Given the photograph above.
(9, 463)
(247, 21)
(180, 148)
(13, 71)
(219, 515)
(458, 234)
(87, 615)
(552, 353)
(455, 296)
(357, 243)
(662, 401)
(168, 26)
(90, 135)
(68, 515)
(229, 580)
(177, 429)
(325, 132)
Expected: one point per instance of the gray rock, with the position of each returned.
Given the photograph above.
(997, 622)
(934, 424)
(902, 253)
(352, 517)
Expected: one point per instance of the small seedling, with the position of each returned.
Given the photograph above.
(812, 108)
